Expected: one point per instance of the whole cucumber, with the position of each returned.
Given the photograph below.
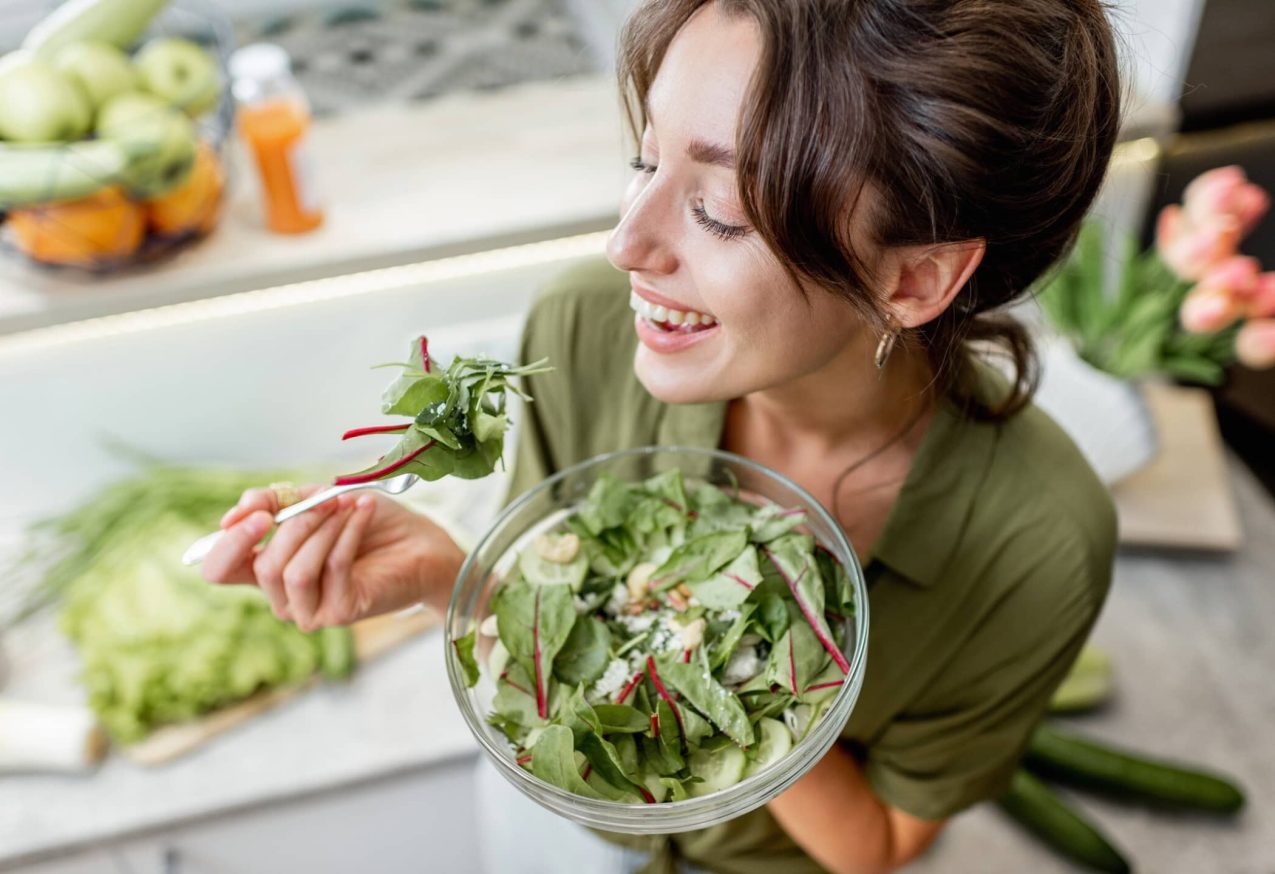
(1072, 759)
(40, 174)
(118, 22)
(1047, 816)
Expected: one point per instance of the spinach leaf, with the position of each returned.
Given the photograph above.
(668, 721)
(771, 617)
(514, 700)
(698, 559)
(696, 684)
(586, 652)
(838, 592)
(534, 623)
(796, 659)
(772, 521)
(792, 555)
(730, 587)
(729, 642)
(553, 759)
(542, 572)
(465, 654)
(607, 506)
(606, 764)
(620, 719)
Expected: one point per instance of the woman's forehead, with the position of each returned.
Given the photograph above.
(703, 79)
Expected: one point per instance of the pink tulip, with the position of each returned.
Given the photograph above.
(1207, 310)
(1261, 303)
(1255, 344)
(1190, 250)
(1225, 191)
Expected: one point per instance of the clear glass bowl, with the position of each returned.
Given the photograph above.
(543, 508)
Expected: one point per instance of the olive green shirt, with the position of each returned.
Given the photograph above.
(990, 571)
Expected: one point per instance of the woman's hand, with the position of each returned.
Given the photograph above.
(352, 557)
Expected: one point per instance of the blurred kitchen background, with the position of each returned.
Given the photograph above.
(461, 153)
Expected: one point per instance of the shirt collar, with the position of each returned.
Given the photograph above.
(934, 505)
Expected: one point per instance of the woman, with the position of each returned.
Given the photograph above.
(831, 202)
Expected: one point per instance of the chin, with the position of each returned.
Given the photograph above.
(674, 384)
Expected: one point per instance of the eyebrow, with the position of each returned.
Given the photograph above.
(711, 153)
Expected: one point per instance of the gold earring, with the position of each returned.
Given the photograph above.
(885, 347)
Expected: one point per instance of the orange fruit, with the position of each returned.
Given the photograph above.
(193, 205)
(93, 230)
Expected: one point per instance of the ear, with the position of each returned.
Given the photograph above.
(930, 277)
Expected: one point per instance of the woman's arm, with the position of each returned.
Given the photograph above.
(833, 815)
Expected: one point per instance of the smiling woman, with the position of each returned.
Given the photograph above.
(832, 200)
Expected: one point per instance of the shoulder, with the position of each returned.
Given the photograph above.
(1043, 521)
(580, 320)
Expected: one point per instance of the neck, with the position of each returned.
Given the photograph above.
(846, 406)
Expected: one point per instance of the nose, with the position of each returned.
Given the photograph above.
(641, 242)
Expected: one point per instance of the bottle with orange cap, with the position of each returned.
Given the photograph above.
(274, 123)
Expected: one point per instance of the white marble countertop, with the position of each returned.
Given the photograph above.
(402, 183)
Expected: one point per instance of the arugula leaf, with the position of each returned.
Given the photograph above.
(553, 759)
(465, 653)
(696, 684)
(585, 654)
(730, 587)
(534, 623)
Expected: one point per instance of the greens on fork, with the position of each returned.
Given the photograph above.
(458, 417)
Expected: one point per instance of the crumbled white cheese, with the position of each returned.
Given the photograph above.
(636, 624)
(618, 598)
(728, 615)
(582, 606)
(742, 666)
(611, 681)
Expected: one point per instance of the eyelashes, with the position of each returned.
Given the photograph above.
(719, 229)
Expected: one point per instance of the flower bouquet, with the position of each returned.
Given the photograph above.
(1186, 308)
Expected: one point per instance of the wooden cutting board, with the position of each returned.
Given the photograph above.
(372, 637)
(1183, 498)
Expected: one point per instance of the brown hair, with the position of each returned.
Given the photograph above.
(969, 119)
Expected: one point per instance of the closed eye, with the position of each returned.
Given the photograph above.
(713, 226)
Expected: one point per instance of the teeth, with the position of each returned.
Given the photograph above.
(677, 318)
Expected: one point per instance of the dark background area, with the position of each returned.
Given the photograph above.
(1228, 108)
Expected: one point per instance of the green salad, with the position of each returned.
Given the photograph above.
(666, 641)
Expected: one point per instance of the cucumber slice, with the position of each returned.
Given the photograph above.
(1087, 685)
(775, 743)
(717, 769)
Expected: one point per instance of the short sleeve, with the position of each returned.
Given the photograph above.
(572, 324)
(960, 740)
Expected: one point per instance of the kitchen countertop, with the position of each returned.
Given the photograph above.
(402, 183)
(1189, 635)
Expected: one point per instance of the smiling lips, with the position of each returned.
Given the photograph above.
(670, 320)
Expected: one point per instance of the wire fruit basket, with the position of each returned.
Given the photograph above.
(86, 210)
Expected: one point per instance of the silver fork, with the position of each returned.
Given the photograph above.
(395, 485)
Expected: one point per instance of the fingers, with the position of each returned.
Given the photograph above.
(231, 558)
(269, 565)
(304, 574)
(260, 499)
(339, 602)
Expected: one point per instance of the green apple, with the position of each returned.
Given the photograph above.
(38, 104)
(181, 72)
(161, 140)
(100, 69)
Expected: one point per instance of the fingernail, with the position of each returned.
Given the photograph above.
(365, 501)
(225, 516)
